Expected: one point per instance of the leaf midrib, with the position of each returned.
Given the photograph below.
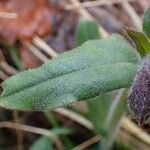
(72, 72)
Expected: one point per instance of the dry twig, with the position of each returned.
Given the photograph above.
(93, 3)
(8, 15)
(35, 130)
(133, 129)
(38, 53)
(132, 14)
(7, 68)
(74, 116)
(3, 76)
(87, 143)
(19, 133)
(44, 46)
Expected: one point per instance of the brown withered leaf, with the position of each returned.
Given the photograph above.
(34, 17)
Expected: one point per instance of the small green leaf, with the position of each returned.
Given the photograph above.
(98, 109)
(141, 41)
(43, 143)
(15, 57)
(86, 30)
(94, 68)
(116, 111)
(51, 119)
(62, 131)
(13, 52)
(146, 22)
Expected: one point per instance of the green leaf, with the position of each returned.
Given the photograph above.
(62, 131)
(51, 119)
(43, 143)
(13, 52)
(141, 41)
(146, 22)
(86, 30)
(94, 68)
(98, 109)
(116, 111)
(15, 57)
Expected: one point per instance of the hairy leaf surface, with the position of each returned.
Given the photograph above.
(94, 68)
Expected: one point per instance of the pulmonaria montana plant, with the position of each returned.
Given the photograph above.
(95, 67)
(139, 94)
